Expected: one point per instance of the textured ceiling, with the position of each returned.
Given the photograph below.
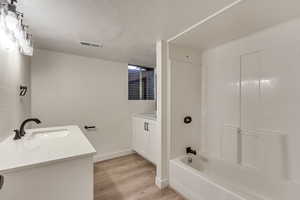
(127, 29)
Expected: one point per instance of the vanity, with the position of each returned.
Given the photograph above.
(145, 138)
(49, 164)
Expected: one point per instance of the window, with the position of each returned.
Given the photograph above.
(140, 83)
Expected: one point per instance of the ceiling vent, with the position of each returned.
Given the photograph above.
(89, 44)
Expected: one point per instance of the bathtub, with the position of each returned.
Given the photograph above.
(208, 179)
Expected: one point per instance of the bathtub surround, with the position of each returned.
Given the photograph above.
(14, 72)
(179, 95)
(69, 89)
(185, 67)
(273, 58)
(250, 111)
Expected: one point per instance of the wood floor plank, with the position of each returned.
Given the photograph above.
(129, 178)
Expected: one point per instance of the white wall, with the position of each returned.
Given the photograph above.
(185, 99)
(269, 61)
(163, 111)
(14, 71)
(69, 89)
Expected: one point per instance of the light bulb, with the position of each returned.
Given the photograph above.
(22, 37)
(6, 41)
(27, 46)
(19, 32)
(11, 20)
(2, 19)
(27, 50)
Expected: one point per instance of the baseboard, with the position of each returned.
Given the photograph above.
(102, 157)
(161, 183)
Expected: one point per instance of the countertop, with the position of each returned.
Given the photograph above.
(151, 116)
(38, 149)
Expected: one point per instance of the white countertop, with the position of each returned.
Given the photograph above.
(37, 148)
(151, 116)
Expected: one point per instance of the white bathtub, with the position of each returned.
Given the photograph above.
(216, 180)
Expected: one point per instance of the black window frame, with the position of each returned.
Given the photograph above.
(144, 85)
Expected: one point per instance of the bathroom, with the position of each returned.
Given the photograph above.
(107, 101)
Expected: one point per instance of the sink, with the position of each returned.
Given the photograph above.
(49, 134)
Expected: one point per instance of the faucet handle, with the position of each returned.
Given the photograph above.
(17, 134)
(1, 181)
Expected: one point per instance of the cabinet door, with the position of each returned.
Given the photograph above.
(41, 182)
(153, 145)
(139, 138)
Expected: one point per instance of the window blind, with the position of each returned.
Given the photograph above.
(140, 83)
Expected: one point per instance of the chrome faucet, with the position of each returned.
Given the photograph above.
(20, 133)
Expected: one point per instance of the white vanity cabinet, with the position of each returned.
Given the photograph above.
(145, 137)
(139, 135)
(47, 164)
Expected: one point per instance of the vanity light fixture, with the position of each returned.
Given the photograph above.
(5, 41)
(11, 17)
(13, 32)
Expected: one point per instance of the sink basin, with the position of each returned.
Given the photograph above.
(48, 134)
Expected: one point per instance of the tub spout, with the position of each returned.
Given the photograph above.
(190, 150)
